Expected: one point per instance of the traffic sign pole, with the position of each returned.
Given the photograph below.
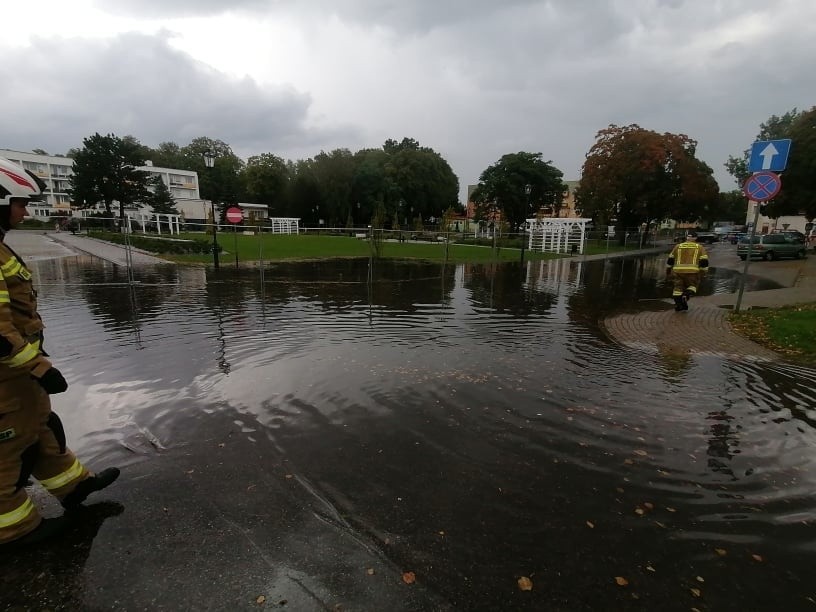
(760, 187)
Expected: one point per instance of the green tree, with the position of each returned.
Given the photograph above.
(161, 201)
(517, 186)
(798, 195)
(334, 172)
(169, 155)
(105, 171)
(774, 128)
(423, 179)
(266, 180)
(633, 176)
(222, 182)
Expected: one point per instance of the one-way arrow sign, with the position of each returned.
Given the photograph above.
(769, 155)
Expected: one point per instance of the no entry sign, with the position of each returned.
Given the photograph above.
(235, 214)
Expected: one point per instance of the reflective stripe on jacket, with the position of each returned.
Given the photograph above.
(20, 324)
(686, 257)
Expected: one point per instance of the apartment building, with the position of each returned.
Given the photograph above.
(56, 171)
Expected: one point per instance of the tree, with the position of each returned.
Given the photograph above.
(774, 128)
(632, 176)
(423, 179)
(517, 186)
(105, 171)
(222, 182)
(798, 195)
(160, 200)
(266, 180)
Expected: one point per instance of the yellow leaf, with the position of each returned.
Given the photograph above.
(721, 551)
(700, 579)
(628, 461)
(639, 511)
(621, 581)
(641, 453)
(757, 558)
(409, 577)
(590, 524)
(649, 505)
(525, 584)
(670, 509)
(650, 568)
(261, 599)
(696, 592)
(370, 571)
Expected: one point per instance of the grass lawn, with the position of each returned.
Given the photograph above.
(790, 331)
(277, 247)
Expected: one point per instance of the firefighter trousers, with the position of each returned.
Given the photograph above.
(32, 443)
(685, 281)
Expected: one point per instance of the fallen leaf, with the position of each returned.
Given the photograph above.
(757, 558)
(628, 462)
(260, 601)
(721, 551)
(590, 524)
(370, 571)
(649, 505)
(288, 476)
(221, 445)
(696, 592)
(525, 584)
(670, 509)
(650, 568)
(700, 579)
(409, 577)
(639, 511)
(641, 453)
(621, 581)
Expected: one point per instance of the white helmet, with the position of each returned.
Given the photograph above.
(17, 182)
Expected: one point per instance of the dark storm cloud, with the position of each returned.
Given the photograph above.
(139, 85)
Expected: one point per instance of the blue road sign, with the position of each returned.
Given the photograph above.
(762, 186)
(769, 155)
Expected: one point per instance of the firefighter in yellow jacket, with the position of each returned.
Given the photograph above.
(685, 265)
(32, 439)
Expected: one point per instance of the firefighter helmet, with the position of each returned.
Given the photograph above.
(17, 182)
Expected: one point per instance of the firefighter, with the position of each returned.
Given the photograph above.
(685, 265)
(32, 439)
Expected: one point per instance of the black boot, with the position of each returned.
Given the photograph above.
(679, 303)
(686, 297)
(47, 528)
(96, 482)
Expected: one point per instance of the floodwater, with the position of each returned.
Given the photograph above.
(471, 422)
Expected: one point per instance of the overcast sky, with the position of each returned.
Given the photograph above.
(473, 79)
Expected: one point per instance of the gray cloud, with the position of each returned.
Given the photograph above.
(139, 85)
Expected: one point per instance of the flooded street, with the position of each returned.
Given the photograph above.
(471, 424)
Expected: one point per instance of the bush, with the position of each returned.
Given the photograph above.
(158, 245)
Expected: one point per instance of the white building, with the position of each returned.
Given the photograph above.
(56, 170)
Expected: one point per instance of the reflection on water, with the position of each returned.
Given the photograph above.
(485, 386)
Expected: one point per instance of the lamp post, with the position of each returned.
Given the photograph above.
(209, 161)
(527, 190)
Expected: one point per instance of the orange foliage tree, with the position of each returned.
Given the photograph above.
(632, 176)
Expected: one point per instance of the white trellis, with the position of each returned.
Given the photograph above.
(173, 222)
(557, 235)
(284, 225)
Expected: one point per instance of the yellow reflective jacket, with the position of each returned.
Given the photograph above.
(688, 257)
(20, 323)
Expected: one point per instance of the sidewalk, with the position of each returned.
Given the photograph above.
(114, 253)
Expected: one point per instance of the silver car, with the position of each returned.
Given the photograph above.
(771, 246)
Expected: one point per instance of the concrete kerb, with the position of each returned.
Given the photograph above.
(114, 253)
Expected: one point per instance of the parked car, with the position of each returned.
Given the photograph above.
(707, 238)
(794, 234)
(771, 246)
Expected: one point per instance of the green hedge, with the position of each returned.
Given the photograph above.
(158, 245)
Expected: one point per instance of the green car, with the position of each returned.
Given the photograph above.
(771, 246)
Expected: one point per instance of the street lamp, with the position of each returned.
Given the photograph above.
(209, 161)
(527, 190)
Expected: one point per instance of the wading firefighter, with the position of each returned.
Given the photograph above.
(685, 265)
(32, 439)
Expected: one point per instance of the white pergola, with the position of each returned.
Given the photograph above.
(173, 222)
(284, 225)
(556, 235)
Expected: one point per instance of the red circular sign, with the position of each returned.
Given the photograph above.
(235, 214)
(762, 186)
